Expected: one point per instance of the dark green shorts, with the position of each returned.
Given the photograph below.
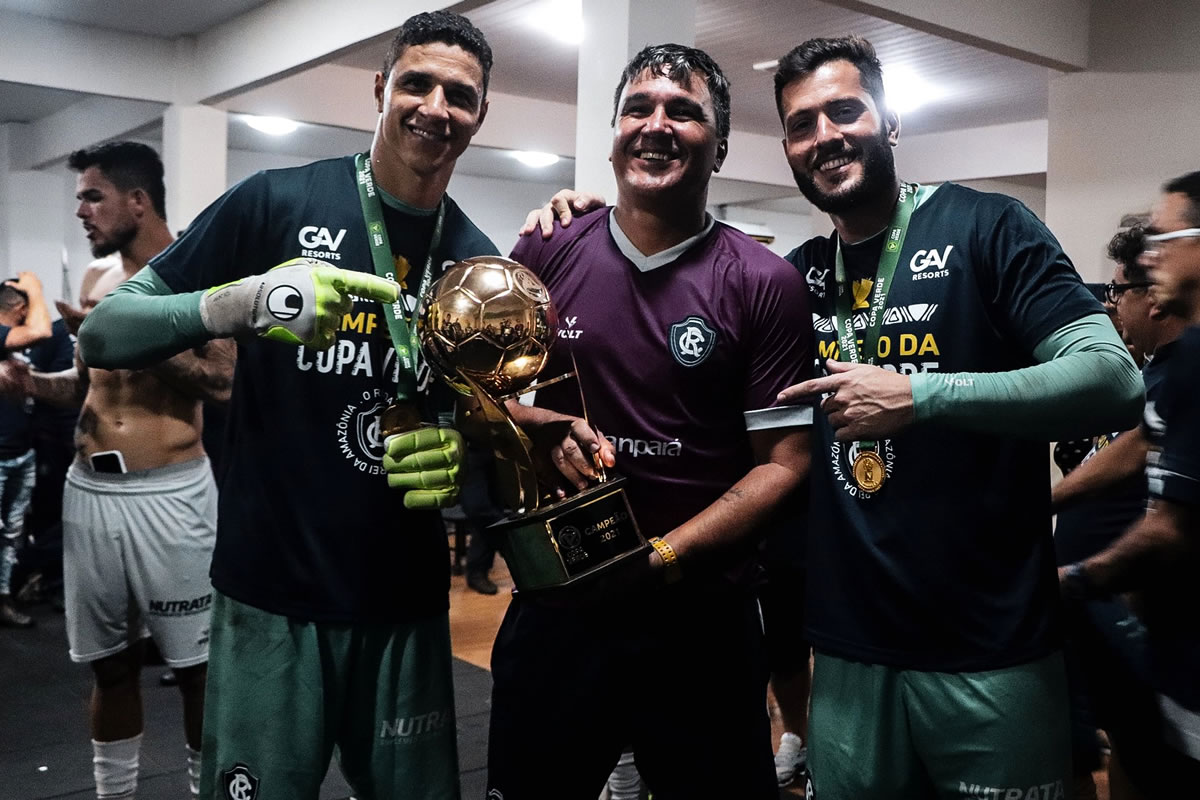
(282, 694)
(879, 732)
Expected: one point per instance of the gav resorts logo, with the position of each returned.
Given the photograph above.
(692, 340)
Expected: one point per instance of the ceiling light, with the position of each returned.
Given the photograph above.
(906, 91)
(562, 19)
(272, 126)
(763, 66)
(532, 158)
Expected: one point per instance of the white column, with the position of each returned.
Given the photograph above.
(36, 227)
(613, 31)
(6, 134)
(194, 156)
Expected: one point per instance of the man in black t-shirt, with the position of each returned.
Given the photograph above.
(931, 603)
(329, 621)
(24, 321)
(1147, 665)
(1100, 499)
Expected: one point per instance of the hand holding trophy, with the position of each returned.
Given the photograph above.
(486, 328)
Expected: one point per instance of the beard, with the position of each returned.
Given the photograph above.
(878, 176)
(116, 242)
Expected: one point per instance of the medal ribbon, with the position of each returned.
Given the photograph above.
(402, 330)
(889, 258)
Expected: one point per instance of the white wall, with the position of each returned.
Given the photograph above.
(1033, 195)
(790, 229)
(1120, 130)
(498, 206)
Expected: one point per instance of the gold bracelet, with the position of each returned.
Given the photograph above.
(672, 570)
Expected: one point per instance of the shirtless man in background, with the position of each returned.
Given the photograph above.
(140, 504)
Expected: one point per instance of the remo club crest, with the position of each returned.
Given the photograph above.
(692, 340)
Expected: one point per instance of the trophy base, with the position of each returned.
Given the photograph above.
(562, 543)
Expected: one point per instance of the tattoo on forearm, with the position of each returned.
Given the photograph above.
(733, 495)
(64, 389)
(205, 373)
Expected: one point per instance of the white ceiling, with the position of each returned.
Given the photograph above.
(982, 88)
(151, 17)
(20, 102)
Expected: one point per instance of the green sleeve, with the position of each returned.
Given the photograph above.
(1085, 382)
(140, 323)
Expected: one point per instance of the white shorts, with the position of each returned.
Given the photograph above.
(136, 552)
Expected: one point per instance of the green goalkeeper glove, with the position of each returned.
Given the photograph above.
(301, 301)
(425, 463)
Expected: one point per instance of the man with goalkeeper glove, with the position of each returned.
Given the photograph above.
(329, 623)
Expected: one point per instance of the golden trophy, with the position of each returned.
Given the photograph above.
(486, 328)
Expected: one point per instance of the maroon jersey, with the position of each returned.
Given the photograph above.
(677, 361)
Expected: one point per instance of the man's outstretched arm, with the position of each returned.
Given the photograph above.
(301, 301)
(1085, 382)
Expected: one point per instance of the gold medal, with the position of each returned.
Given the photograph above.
(868, 471)
(398, 417)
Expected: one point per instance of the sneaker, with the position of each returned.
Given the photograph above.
(10, 617)
(791, 759)
(480, 582)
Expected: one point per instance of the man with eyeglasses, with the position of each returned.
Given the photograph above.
(1145, 667)
(1116, 463)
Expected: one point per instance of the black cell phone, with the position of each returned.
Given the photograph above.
(108, 461)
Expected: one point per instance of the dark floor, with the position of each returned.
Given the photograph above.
(45, 750)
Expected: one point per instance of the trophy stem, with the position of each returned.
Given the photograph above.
(517, 479)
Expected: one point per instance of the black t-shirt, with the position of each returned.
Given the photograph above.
(308, 526)
(16, 435)
(1168, 602)
(50, 422)
(1086, 528)
(950, 565)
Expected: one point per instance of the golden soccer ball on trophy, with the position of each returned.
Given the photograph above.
(491, 320)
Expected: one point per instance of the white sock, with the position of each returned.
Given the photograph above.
(115, 765)
(624, 783)
(193, 766)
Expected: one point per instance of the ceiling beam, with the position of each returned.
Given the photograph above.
(62, 55)
(282, 38)
(95, 119)
(1051, 33)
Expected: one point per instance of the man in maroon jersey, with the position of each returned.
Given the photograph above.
(684, 331)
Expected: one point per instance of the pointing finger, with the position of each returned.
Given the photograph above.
(810, 388)
(367, 286)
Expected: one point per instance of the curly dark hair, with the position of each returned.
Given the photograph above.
(1189, 185)
(803, 59)
(677, 63)
(445, 27)
(129, 165)
(1125, 247)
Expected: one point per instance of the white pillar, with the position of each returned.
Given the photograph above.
(194, 156)
(613, 31)
(6, 134)
(36, 228)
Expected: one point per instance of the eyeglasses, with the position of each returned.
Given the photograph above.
(1114, 290)
(1155, 241)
